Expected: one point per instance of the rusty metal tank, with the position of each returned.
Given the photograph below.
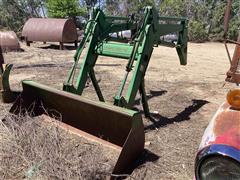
(50, 30)
(9, 41)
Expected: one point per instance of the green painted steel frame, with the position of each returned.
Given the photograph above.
(138, 52)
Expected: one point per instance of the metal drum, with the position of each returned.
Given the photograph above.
(9, 41)
(50, 30)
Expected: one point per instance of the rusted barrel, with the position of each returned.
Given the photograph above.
(9, 41)
(50, 30)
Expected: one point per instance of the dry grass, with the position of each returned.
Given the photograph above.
(33, 150)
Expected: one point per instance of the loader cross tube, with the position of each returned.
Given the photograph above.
(137, 51)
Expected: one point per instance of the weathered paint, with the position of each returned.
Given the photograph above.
(9, 41)
(224, 128)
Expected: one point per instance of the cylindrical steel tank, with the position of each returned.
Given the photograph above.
(9, 41)
(50, 30)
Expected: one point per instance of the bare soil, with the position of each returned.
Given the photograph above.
(183, 98)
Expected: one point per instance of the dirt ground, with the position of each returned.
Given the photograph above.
(183, 98)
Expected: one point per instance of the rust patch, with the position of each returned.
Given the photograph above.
(227, 127)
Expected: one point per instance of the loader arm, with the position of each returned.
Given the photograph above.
(137, 51)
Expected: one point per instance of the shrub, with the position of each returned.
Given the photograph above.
(197, 31)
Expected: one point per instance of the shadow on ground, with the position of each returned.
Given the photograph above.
(108, 64)
(146, 156)
(48, 65)
(57, 47)
(151, 95)
(160, 121)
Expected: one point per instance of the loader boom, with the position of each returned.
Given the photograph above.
(137, 51)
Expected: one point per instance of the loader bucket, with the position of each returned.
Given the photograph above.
(113, 127)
